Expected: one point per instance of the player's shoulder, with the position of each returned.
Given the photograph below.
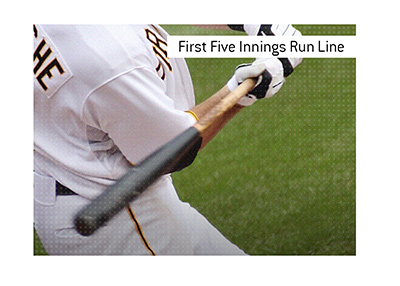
(138, 40)
(104, 44)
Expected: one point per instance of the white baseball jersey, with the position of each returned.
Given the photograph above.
(104, 96)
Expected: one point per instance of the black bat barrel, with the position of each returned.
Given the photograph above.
(135, 182)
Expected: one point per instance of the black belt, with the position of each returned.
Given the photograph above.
(64, 191)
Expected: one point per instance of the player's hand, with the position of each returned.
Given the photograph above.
(270, 78)
(273, 30)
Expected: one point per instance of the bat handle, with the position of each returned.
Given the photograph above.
(225, 104)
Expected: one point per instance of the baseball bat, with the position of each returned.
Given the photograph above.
(117, 196)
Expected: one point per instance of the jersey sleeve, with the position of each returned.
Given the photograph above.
(134, 111)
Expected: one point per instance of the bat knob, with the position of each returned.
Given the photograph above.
(86, 225)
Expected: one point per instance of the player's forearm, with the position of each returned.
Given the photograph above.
(201, 110)
(210, 133)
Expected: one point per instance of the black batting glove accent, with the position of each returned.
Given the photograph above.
(261, 89)
(266, 30)
(236, 27)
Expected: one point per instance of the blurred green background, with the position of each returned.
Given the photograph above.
(279, 179)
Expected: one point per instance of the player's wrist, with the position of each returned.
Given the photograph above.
(232, 84)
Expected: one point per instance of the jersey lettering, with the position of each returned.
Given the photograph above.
(160, 71)
(41, 58)
(47, 72)
(50, 70)
(159, 48)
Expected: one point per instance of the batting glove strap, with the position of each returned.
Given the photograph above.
(262, 86)
(279, 30)
(237, 27)
(273, 30)
(287, 66)
(269, 73)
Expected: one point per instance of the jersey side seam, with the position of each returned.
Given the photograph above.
(140, 231)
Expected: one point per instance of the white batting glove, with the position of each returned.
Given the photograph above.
(270, 79)
(273, 30)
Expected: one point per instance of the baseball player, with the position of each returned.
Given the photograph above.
(105, 97)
